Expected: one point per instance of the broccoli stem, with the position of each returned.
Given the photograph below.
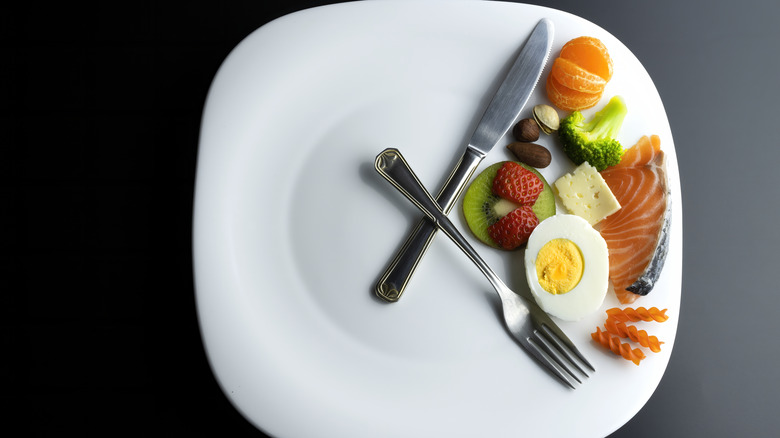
(607, 122)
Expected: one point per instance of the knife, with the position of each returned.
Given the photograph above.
(509, 100)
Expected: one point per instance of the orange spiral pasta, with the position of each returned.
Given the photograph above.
(618, 328)
(614, 344)
(638, 314)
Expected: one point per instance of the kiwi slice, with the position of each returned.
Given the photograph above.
(482, 208)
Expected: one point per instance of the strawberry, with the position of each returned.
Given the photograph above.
(518, 184)
(513, 230)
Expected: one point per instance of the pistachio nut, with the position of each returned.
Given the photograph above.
(547, 118)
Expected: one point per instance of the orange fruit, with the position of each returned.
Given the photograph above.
(567, 99)
(590, 54)
(573, 76)
(580, 73)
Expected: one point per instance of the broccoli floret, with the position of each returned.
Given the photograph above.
(594, 141)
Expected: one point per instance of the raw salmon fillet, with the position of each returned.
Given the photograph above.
(637, 235)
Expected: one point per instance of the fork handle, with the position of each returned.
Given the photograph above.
(393, 281)
(393, 167)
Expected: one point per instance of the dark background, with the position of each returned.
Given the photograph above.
(100, 107)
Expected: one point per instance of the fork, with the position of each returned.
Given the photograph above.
(531, 327)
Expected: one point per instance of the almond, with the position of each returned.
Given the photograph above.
(531, 154)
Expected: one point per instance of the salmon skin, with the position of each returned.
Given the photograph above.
(637, 235)
(646, 281)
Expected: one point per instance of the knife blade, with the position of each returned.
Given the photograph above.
(500, 114)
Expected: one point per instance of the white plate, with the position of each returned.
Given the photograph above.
(292, 226)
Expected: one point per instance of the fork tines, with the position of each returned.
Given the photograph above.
(557, 356)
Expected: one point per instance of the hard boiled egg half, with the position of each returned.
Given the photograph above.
(567, 266)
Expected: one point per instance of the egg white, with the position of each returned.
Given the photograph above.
(588, 295)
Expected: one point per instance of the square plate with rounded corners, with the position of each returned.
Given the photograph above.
(292, 227)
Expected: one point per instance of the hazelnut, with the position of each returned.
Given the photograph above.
(526, 130)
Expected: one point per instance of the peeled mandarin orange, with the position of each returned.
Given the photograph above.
(589, 53)
(567, 99)
(573, 76)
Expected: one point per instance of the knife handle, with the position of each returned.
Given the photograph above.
(393, 281)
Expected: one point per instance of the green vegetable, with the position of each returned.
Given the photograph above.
(594, 141)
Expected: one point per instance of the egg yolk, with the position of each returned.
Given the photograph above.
(559, 266)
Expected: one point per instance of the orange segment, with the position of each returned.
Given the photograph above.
(567, 99)
(575, 77)
(589, 53)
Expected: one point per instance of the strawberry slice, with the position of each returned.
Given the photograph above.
(513, 230)
(517, 184)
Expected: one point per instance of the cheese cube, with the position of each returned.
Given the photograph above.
(585, 193)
